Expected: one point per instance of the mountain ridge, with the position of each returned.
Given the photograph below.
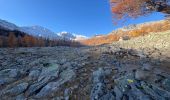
(39, 31)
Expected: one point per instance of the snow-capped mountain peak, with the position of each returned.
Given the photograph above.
(66, 35)
(40, 31)
(71, 36)
(80, 37)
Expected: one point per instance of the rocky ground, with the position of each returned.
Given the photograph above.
(137, 69)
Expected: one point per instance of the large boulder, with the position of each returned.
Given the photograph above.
(5, 80)
(154, 93)
(128, 88)
(98, 76)
(51, 71)
(11, 73)
(166, 84)
(118, 93)
(98, 86)
(8, 76)
(48, 74)
(20, 88)
(52, 87)
(34, 74)
(67, 93)
(147, 67)
(21, 97)
(161, 92)
(98, 91)
(142, 75)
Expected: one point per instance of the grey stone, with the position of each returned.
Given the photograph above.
(38, 85)
(113, 77)
(151, 92)
(98, 90)
(118, 93)
(108, 96)
(166, 84)
(8, 76)
(99, 87)
(126, 88)
(142, 75)
(2, 82)
(48, 74)
(145, 97)
(108, 71)
(17, 89)
(20, 97)
(48, 89)
(124, 81)
(51, 71)
(67, 92)
(66, 98)
(147, 67)
(98, 76)
(161, 92)
(136, 93)
(63, 61)
(66, 65)
(141, 54)
(53, 87)
(67, 75)
(11, 73)
(58, 98)
(34, 74)
(5, 80)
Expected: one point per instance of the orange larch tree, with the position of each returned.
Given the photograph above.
(135, 8)
(12, 41)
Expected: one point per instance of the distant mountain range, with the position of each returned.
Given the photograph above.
(39, 31)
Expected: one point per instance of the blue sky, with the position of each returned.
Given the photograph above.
(86, 17)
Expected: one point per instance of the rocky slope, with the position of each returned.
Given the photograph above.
(138, 26)
(136, 69)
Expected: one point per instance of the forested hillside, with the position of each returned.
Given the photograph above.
(128, 33)
(15, 38)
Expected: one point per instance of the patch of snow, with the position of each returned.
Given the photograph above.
(40, 31)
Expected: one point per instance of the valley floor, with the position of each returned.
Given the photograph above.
(137, 69)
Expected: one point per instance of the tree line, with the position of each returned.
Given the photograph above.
(14, 39)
